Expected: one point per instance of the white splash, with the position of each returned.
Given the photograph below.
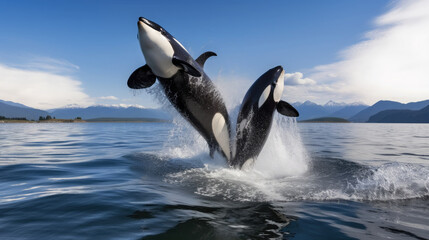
(284, 153)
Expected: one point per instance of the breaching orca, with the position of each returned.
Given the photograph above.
(185, 84)
(256, 115)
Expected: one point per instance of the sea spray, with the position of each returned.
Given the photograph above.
(392, 181)
(284, 153)
(283, 170)
(282, 156)
(183, 141)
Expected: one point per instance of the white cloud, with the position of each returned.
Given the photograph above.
(297, 78)
(47, 64)
(108, 98)
(41, 89)
(391, 63)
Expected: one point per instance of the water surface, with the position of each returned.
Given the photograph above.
(156, 181)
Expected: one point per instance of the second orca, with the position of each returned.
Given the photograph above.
(256, 116)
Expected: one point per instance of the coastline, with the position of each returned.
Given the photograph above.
(44, 121)
(325, 120)
(96, 120)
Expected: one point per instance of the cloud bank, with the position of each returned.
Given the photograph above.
(297, 78)
(108, 98)
(390, 63)
(44, 88)
(47, 64)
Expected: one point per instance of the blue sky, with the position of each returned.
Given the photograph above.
(90, 47)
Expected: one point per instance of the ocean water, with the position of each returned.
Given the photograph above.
(157, 181)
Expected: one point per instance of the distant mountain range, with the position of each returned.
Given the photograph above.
(16, 110)
(356, 112)
(13, 104)
(310, 110)
(13, 110)
(365, 114)
(382, 111)
(401, 116)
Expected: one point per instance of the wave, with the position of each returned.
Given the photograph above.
(325, 179)
(384, 183)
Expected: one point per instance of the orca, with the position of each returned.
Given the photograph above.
(185, 84)
(255, 116)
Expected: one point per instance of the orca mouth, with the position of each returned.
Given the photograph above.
(149, 23)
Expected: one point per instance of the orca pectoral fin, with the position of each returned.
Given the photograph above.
(286, 109)
(203, 57)
(186, 66)
(142, 77)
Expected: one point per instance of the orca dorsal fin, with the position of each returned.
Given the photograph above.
(142, 77)
(203, 57)
(186, 66)
(286, 109)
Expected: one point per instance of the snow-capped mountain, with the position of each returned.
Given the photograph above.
(310, 110)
